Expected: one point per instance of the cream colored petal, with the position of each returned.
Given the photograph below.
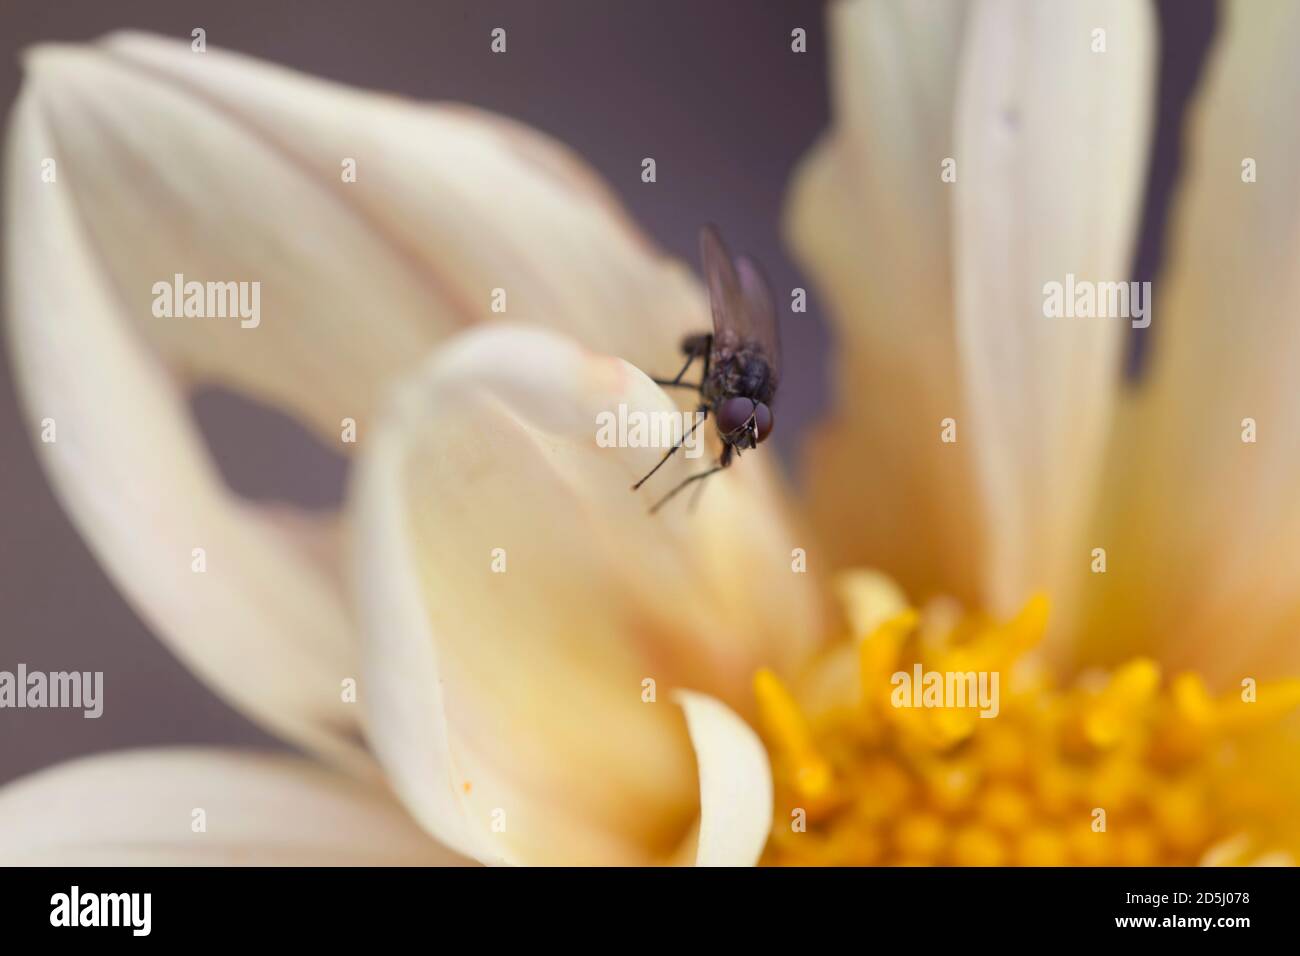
(511, 706)
(232, 593)
(217, 168)
(1202, 528)
(937, 285)
(735, 783)
(142, 808)
(221, 168)
(1052, 134)
(870, 221)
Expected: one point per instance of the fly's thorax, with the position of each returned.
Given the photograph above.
(742, 371)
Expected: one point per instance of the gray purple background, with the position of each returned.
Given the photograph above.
(708, 87)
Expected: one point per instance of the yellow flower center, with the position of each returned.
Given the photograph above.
(934, 740)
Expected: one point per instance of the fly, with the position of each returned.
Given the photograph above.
(742, 359)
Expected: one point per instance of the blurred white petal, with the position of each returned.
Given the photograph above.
(1052, 141)
(221, 168)
(139, 808)
(218, 168)
(1203, 528)
(937, 286)
(869, 220)
(262, 624)
(735, 783)
(516, 697)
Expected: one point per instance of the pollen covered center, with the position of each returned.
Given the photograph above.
(934, 739)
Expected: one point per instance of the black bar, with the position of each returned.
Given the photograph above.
(366, 905)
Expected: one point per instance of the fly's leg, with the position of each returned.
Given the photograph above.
(672, 494)
(724, 461)
(690, 360)
(694, 346)
(703, 413)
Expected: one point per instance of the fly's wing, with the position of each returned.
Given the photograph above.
(729, 320)
(760, 313)
(744, 311)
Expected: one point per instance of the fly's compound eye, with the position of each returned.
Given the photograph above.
(734, 413)
(763, 419)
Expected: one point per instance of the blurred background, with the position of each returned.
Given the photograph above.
(711, 90)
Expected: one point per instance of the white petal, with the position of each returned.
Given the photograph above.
(870, 220)
(735, 783)
(1051, 141)
(937, 286)
(142, 808)
(515, 698)
(217, 168)
(221, 168)
(1203, 527)
(261, 623)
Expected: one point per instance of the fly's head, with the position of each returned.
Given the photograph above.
(743, 423)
